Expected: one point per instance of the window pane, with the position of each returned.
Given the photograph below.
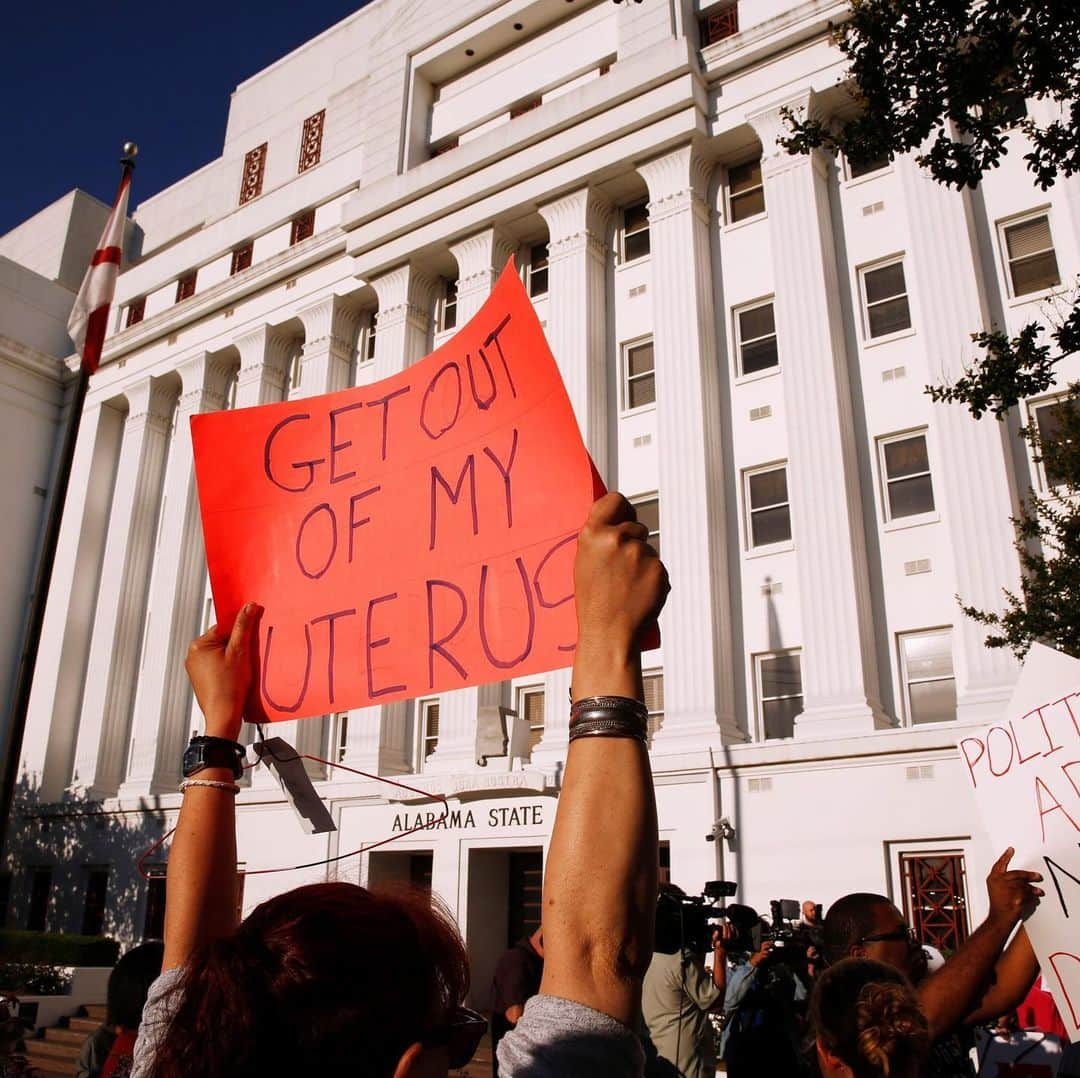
(635, 217)
(748, 205)
(781, 675)
(532, 705)
(885, 282)
(654, 692)
(744, 176)
(909, 497)
(906, 457)
(759, 356)
(643, 391)
(538, 282)
(770, 526)
(640, 359)
(636, 246)
(431, 720)
(1049, 420)
(1035, 273)
(933, 701)
(779, 716)
(756, 322)
(1028, 238)
(889, 317)
(648, 513)
(768, 488)
(864, 168)
(928, 655)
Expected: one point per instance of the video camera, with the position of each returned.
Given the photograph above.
(687, 921)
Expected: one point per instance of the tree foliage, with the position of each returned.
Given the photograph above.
(947, 80)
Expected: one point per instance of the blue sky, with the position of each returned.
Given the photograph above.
(78, 79)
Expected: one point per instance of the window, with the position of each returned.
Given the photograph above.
(185, 287)
(1050, 422)
(241, 259)
(40, 889)
(420, 867)
(530, 706)
(927, 669)
(369, 343)
(909, 491)
(770, 512)
(635, 234)
(640, 375)
(311, 141)
(302, 227)
(524, 107)
(746, 192)
(136, 311)
(154, 918)
(537, 271)
(339, 744)
(648, 513)
(857, 167)
(251, 183)
(780, 695)
(885, 300)
(429, 727)
(719, 23)
(97, 885)
(935, 903)
(1030, 252)
(448, 305)
(755, 329)
(654, 701)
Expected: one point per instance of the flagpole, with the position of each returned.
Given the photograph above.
(11, 737)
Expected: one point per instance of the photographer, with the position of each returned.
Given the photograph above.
(677, 997)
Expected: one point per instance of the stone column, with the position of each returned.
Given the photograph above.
(973, 487)
(378, 740)
(52, 723)
(330, 330)
(839, 663)
(177, 586)
(116, 642)
(577, 332)
(699, 692)
(480, 260)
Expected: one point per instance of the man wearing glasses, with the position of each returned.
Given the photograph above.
(983, 979)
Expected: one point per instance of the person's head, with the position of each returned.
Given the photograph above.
(867, 1022)
(326, 979)
(129, 984)
(810, 911)
(864, 925)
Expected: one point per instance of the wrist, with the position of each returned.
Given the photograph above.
(606, 666)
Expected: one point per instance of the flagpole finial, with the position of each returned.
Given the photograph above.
(130, 151)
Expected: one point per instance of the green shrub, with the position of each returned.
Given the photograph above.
(58, 948)
(34, 978)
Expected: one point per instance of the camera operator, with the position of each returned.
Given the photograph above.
(763, 1002)
(677, 997)
(813, 928)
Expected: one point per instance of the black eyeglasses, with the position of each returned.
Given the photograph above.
(897, 935)
(461, 1035)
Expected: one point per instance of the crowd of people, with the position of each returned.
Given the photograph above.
(334, 978)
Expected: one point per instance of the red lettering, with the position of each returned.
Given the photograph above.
(1056, 806)
(964, 742)
(990, 751)
(1070, 991)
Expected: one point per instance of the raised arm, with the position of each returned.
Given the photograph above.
(600, 878)
(958, 991)
(1014, 974)
(200, 902)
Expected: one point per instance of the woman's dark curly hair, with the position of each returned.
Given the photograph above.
(323, 980)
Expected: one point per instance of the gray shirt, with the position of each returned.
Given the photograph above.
(675, 1001)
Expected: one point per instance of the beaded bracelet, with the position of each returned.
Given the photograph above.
(211, 784)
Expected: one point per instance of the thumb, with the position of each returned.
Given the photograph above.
(240, 637)
(1002, 863)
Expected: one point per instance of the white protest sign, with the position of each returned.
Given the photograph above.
(1025, 771)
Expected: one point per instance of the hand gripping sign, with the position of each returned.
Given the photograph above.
(1025, 771)
(408, 537)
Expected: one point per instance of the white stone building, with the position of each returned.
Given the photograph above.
(745, 336)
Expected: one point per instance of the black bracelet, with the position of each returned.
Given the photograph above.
(621, 705)
(609, 716)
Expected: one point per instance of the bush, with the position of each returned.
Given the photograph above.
(58, 948)
(34, 978)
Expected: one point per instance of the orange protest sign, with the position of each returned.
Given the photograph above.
(408, 537)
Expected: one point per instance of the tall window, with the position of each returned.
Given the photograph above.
(251, 183)
(905, 466)
(1029, 249)
(769, 512)
(339, 737)
(635, 231)
(863, 166)
(885, 300)
(97, 885)
(311, 141)
(780, 694)
(136, 311)
(654, 700)
(537, 271)
(302, 227)
(1050, 420)
(648, 513)
(448, 305)
(241, 259)
(718, 23)
(640, 375)
(926, 667)
(746, 191)
(429, 728)
(755, 330)
(530, 706)
(40, 892)
(154, 917)
(369, 340)
(185, 286)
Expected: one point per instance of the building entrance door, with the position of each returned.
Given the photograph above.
(934, 898)
(400, 866)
